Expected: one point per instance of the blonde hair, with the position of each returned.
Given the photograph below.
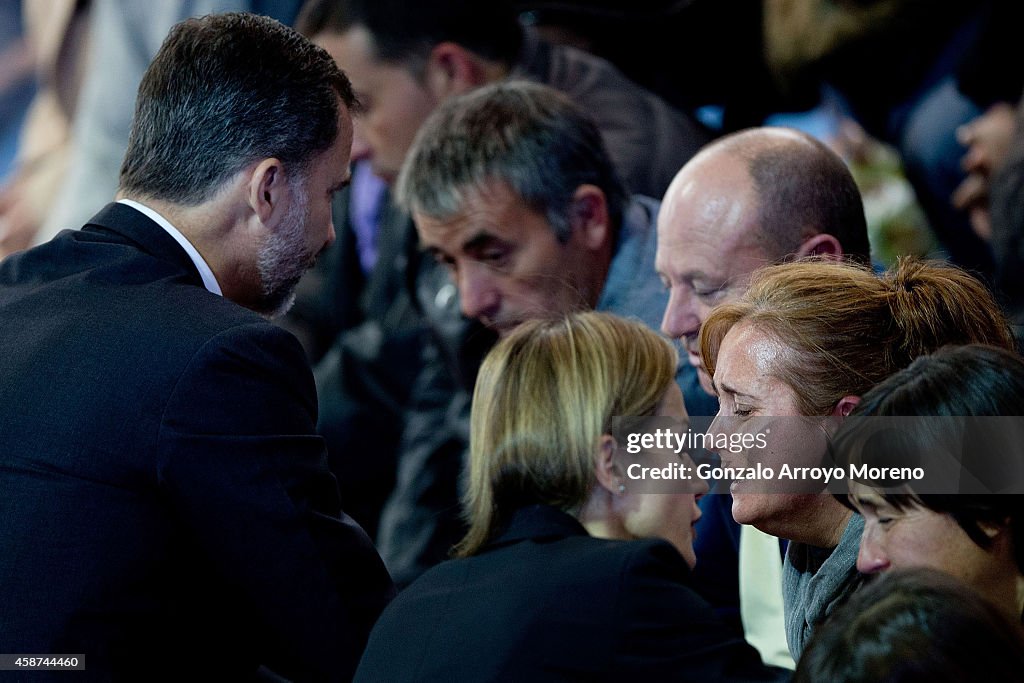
(848, 329)
(544, 397)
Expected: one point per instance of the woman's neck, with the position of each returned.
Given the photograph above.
(822, 523)
(595, 516)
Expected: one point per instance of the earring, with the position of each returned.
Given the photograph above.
(622, 489)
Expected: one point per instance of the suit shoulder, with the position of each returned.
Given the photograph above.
(633, 555)
(196, 318)
(583, 561)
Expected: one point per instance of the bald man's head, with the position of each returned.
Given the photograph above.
(803, 189)
(752, 198)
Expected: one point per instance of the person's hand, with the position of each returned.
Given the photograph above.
(987, 139)
(972, 196)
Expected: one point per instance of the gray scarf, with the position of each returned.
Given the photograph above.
(817, 580)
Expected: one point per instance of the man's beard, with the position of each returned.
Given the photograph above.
(283, 258)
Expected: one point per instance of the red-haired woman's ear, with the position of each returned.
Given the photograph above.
(845, 406)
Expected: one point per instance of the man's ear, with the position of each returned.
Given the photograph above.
(268, 191)
(454, 70)
(606, 469)
(589, 217)
(845, 406)
(821, 244)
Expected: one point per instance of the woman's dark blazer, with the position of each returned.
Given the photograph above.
(547, 602)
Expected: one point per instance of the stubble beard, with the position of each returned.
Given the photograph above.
(284, 259)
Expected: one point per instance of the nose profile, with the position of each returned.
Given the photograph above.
(870, 558)
(702, 489)
(477, 296)
(719, 425)
(680, 319)
(360, 147)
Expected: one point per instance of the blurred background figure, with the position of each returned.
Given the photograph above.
(987, 140)
(994, 193)
(46, 40)
(683, 59)
(914, 626)
(125, 36)
(16, 82)
(911, 72)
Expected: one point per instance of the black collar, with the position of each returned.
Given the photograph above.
(536, 522)
(139, 229)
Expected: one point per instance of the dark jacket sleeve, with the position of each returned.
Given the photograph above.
(241, 466)
(421, 519)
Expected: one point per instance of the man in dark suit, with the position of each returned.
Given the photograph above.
(165, 505)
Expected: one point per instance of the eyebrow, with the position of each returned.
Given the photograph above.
(480, 239)
(866, 503)
(726, 388)
(435, 251)
(697, 273)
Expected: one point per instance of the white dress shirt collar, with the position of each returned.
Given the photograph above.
(209, 281)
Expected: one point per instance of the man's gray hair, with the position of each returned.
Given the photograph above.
(524, 134)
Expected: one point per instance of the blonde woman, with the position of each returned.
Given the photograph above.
(570, 570)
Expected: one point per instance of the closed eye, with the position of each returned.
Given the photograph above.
(443, 259)
(494, 257)
(488, 249)
(709, 293)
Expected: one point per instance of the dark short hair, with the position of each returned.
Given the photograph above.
(404, 32)
(973, 380)
(524, 134)
(223, 91)
(803, 188)
(914, 625)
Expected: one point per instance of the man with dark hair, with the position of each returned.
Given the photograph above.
(753, 198)
(167, 507)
